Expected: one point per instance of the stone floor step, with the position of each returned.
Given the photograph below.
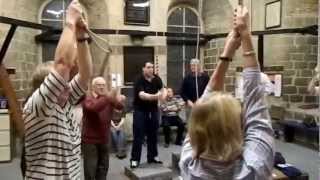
(149, 172)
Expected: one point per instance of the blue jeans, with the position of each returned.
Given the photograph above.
(119, 141)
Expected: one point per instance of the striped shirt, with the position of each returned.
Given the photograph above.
(52, 134)
(172, 106)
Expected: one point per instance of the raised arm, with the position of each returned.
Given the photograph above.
(117, 99)
(258, 133)
(84, 56)
(56, 82)
(241, 21)
(216, 81)
(65, 54)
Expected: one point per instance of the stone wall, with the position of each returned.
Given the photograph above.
(24, 54)
(23, 51)
(296, 53)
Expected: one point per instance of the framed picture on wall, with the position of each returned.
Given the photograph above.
(137, 12)
(273, 11)
(271, 83)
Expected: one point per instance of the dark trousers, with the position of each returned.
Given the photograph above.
(23, 162)
(167, 122)
(145, 124)
(95, 161)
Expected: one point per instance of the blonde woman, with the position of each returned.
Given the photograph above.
(226, 141)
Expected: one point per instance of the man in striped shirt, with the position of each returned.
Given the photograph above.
(170, 109)
(52, 134)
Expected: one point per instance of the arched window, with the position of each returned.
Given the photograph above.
(180, 51)
(53, 14)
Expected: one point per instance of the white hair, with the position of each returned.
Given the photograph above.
(194, 61)
(98, 79)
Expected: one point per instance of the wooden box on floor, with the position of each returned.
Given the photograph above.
(5, 145)
(278, 175)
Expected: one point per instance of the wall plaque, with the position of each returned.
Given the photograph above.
(273, 14)
(137, 12)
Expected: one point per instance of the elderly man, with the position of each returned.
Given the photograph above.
(97, 114)
(52, 134)
(193, 85)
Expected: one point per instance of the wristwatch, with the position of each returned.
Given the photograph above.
(81, 40)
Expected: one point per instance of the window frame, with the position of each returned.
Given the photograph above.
(40, 19)
(184, 27)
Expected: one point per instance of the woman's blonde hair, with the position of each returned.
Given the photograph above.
(40, 73)
(215, 127)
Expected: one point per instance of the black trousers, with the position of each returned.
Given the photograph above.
(95, 161)
(23, 165)
(145, 123)
(167, 122)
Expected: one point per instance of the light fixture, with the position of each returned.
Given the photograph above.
(56, 13)
(144, 4)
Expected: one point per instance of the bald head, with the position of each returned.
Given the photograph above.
(99, 86)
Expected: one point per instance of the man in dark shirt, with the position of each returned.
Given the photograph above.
(97, 114)
(190, 91)
(146, 115)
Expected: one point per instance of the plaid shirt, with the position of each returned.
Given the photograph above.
(172, 106)
(52, 133)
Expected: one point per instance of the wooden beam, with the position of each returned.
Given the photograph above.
(49, 35)
(22, 23)
(313, 30)
(7, 41)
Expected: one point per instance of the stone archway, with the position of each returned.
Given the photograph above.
(191, 3)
